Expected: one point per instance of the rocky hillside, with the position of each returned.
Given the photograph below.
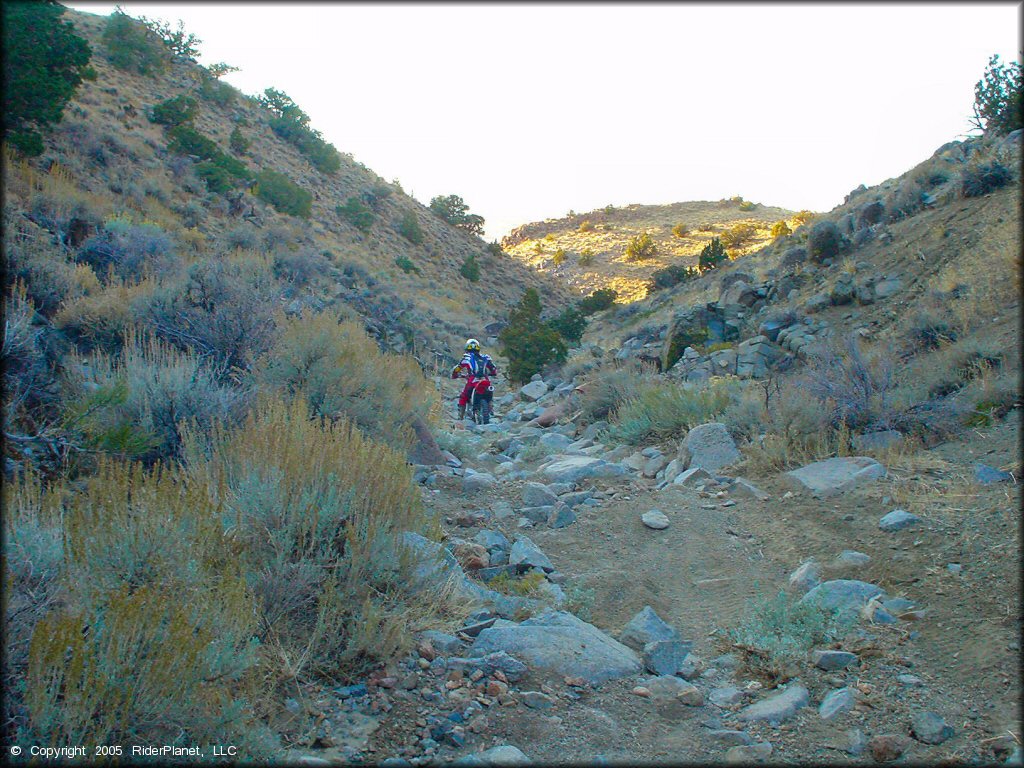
(588, 250)
(107, 158)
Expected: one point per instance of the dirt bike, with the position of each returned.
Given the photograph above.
(480, 400)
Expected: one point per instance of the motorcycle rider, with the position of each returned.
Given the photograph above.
(474, 365)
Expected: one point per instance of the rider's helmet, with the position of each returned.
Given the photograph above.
(472, 345)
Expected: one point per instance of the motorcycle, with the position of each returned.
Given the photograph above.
(480, 400)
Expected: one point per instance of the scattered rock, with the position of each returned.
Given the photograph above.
(897, 520)
(690, 696)
(749, 753)
(832, 660)
(666, 686)
(655, 519)
(744, 487)
(536, 700)
(836, 703)
(856, 742)
(504, 754)
(639, 690)
(533, 391)
(834, 476)
(478, 481)
(851, 559)
(538, 495)
(726, 697)
(562, 644)
(987, 475)
(691, 476)
(807, 576)
(570, 469)
(777, 708)
(561, 516)
(887, 747)
(666, 657)
(710, 446)
(910, 680)
(525, 553)
(646, 627)
(690, 667)
(930, 728)
(846, 596)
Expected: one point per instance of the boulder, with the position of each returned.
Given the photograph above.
(552, 414)
(836, 703)
(897, 520)
(691, 476)
(478, 481)
(665, 686)
(807, 576)
(834, 476)
(538, 495)
(987, 475)
(654, 519)
(559, 643)
(930, 728)
(777, 708)
(555, 441)
(831, 660)
(666, 657)
(646, 627)
(504, 754)
(561, 516)
(570, 469)
(533, 391)
(525, 554)
(846, 596)
(743, 487)
(710, 447)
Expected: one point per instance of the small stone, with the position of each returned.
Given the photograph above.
(852, 559)
(691, 696)
(725, 697)
(897, 520)
(836, 703)
(856, 742)
(640, 691)
(930, 728)
(750, 753)
(832, 660)
(987, 475)
(807, 576)
(887, 747)
(910, 680)
(665, 657)
(779, 707)
(690, 667)
(655, 519)
(646, 627)
(536, 700)
(955, 568)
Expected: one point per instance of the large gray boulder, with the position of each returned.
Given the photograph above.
(834, 476)
(845, 596)
(538, 495)
(710, 447)
(569, 469)
(533, 391)
(526, 554)
(559, 643)
(777, 708)
(646, 627)
(478, 481)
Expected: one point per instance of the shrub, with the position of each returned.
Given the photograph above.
(178, 42)
(241, 237)
(599, 300)
(746, 205)
(406, 264)
(680, 230)
(585, 226)
(999, 98)
(780, 229)
(216, 92)
(300, 265)
(570, 324)
(376, 195)
(641, 247)
(218, 179)
(706, 227)
(711, 255)
(130, 250)
(357, 213)
(528, 343)
(671, 275)
(609, 388)
(134, 405)
(174, 112)
(824, 241)
(802, 217)
(470, 269)
(559, 257)
(494, 248)
(186, 140)
(738, 234)
(282, 193)
(132, 46)
(44, 63)
(777, 633)
(340, 371)
(854, 388)
(586, 257)
(982, 178)
(665, 409)
(238, 143)
(454, 210)
(408, 226)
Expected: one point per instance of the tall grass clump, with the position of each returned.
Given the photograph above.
(341, 372)
(315, 508)
(660, 408)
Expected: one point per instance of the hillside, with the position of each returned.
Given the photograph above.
(594, 244)
(107, 158)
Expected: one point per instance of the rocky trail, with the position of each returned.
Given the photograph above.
(601, 583)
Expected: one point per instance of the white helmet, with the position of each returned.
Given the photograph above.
(472, 345)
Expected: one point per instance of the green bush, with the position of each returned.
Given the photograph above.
(176, 111)
(453, 209)
(641, 247)
(357, 213)
(570, 324)
(667, 409)
(585, 226)
(780, 229)
(586, 257)
(712, 255)
(282, 193)
(777, 633)
(216, 92)
(217, 179)
(527, 342)
(680, 230)
(746, 205)
(494, 248)
(559, 257)
(408, 226)
(601, 299)
(132, 46)
(238, 142)
(470, 269)
(406, 264)
(292, 125)
(982, 178)
(672, 275)
(999, 98)
(738, 234)
(186, 140)
(44, 62)
(181, 44)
